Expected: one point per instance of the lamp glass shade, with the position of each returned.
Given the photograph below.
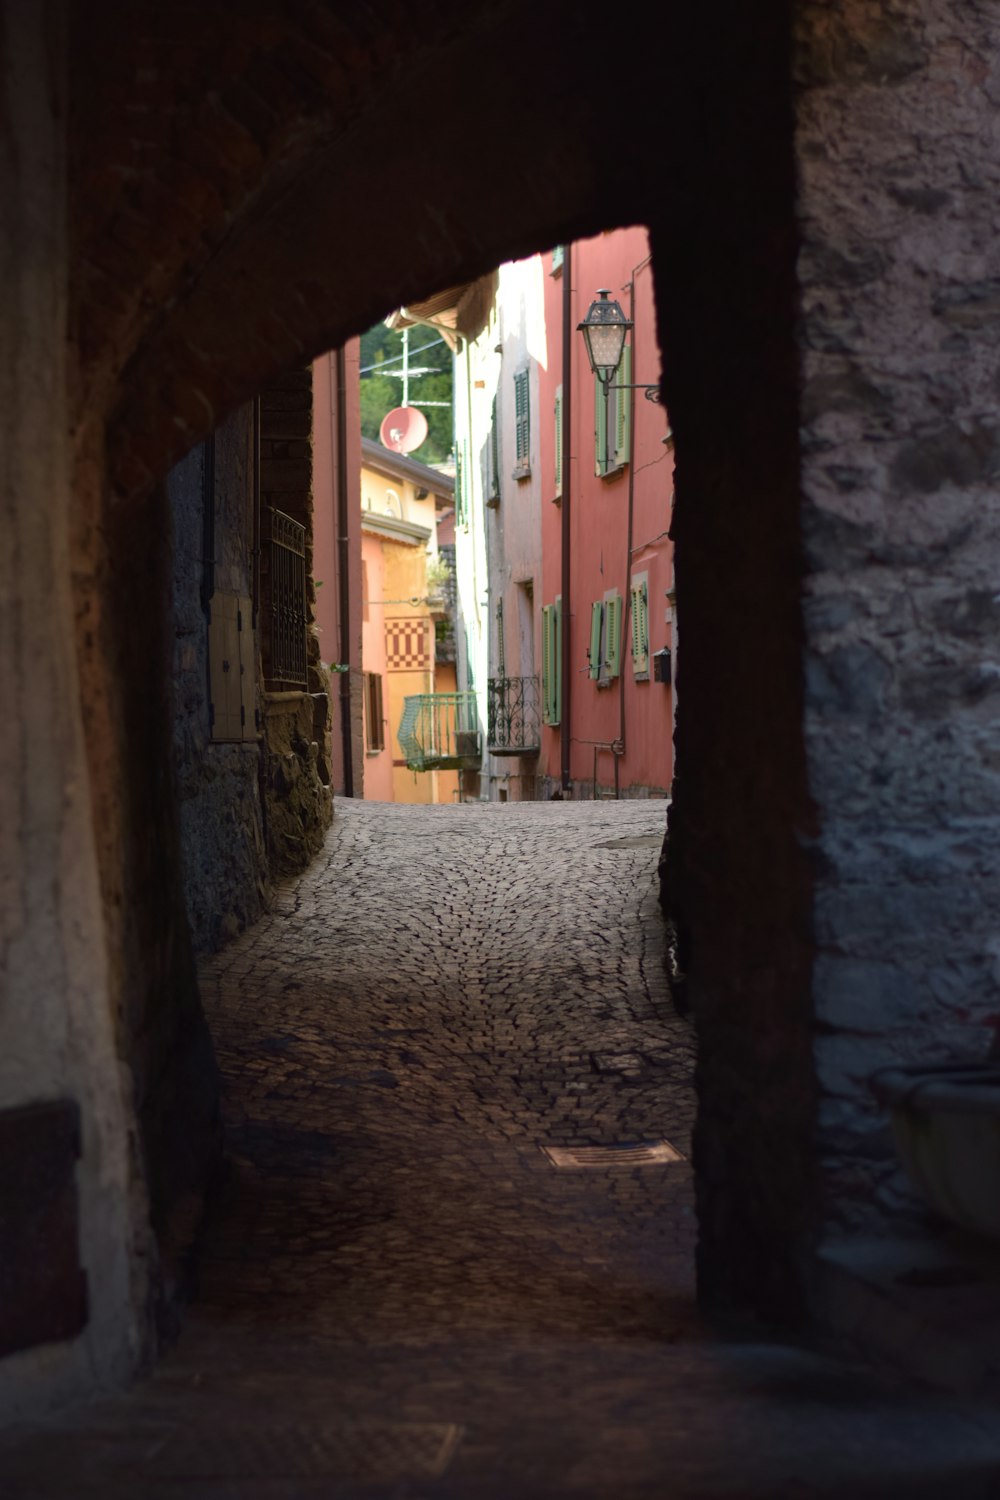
(604, 329)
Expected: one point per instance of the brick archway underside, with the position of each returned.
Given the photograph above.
(252, 184)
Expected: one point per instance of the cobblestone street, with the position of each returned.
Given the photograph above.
(401, 1295)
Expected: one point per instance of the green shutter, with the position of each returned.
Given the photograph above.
(623, 409)
(522, 421)
(613, 634)
(557, 258)
(596, 620)
(600, 427)
(548, 679)
(459, 486)
(552, 662)
(493, 486)
(558, 652)
(559, 443)
(640, 628)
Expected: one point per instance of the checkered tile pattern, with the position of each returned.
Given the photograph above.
(408, 645)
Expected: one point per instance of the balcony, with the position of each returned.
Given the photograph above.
(512, 716)
(440, 732)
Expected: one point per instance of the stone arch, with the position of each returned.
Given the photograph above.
(222, 178)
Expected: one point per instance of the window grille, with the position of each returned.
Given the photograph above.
(288, 600)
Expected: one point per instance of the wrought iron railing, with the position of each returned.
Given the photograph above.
(288, 600)
(440, 731)
(512, 723)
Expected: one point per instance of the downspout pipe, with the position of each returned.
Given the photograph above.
(343, 567)
(565, 586)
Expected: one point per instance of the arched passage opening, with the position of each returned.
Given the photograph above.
(226, 223)
(309, 248)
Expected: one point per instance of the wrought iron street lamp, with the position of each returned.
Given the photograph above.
(604, 329)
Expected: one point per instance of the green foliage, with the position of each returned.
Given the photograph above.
(381, 393)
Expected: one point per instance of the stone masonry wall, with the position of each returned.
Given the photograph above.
(296, 768)
(218, 784)
(900, 275)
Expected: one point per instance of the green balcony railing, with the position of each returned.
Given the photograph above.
(440, 731)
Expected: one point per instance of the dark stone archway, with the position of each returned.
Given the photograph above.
(244, 197)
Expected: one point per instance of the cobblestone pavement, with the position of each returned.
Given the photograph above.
(401, 1296)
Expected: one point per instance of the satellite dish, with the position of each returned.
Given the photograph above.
(403, 429)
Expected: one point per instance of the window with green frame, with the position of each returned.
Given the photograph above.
(613, 419)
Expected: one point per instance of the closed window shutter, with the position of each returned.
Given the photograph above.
(459, 486)
(623, 409)
(493, 456)
(596, 621)
(552, 662)
(640, 628)
(559, 443)
(547, 673)
(557, 648)
(522, 420)
(613, 634)
(600, 428)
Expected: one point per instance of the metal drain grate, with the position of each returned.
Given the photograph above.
(637, 1154)
(378, 1452)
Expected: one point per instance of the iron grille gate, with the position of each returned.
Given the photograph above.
(288, 600)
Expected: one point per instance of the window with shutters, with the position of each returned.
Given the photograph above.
(613, 419)
(492, 491)
(552, 661)
(374, 717)
(604, 654)
(639, 626)
(522, 424)
(559, 444)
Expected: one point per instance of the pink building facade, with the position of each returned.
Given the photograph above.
(610, 696)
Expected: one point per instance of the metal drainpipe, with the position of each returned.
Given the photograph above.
(627, 595)
(343, 565)
(567, 403)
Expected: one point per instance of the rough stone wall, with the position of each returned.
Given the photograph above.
(900, 274)
(57, 1037)
(298, 803)
(218, 785)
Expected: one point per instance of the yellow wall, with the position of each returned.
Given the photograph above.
(404, 578)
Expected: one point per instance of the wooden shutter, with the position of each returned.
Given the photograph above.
(613, 634)
(622, 412)
(548, 663)
(232, 667)
(557, 649)
(522, 423)
(596, 622)
(640, 628)
(493, 458)
(552, 662)
(559, 443)
(600, 427)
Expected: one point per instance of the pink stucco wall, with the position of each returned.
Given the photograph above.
(636, 712)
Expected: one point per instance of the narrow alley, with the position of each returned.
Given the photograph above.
(401, 1295)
